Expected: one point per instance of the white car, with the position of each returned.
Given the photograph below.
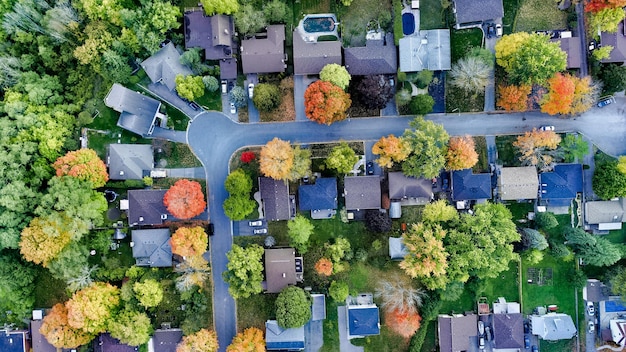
(547, 128)
(224, 87)
(233, 109)
(251, 90)
(591, 326)
(498, 30)
(255, 223)
(591, 310)
(260, 231)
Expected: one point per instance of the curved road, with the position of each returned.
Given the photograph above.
(213, 137)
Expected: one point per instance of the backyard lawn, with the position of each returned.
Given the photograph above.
(357, 17)
(536, 15)
(506, 151)
(432, 15)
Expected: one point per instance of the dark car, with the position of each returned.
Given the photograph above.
(491, 31)
(526, 328)
(526, 342)
(194, 106)
(370, 168)
(535, 349)
(210, 229)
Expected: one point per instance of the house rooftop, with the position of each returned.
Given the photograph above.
(280, 268)
(456, 331)
(469, 186)
(107, 343)
(137, 111)
(363, 316)
(281, 339)
(275, 197)
(152, 248)
(402, 187)
(130, 161)
(228, 68)
(595, 291)
(508, 331)
(166, 340)
(571, 46)
(310, 57)
(618, 41)
(145, 207)
(362, 192)
(377, 57)
(609, 214)
(553, 326)
(518, 183)
(320, 195)
(471, 11)
(561, 184)
(264, 54)
(430, 50)
(164, 65)
(214, 34)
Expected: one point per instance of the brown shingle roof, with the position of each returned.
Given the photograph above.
(264, 55)
(618, 41)
(375, 58)
(362, 192)
(310, 58)
(571, 46)
(280, 268)
(518, 183)
(455, 332)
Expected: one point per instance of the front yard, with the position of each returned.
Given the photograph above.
(537, 15)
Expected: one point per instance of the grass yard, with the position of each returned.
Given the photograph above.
(99, 141)
(286, 111)
(255, 310)
(461, 41)
(48, 291)
(176, 155)
(176, 119)
(519, 210)
(535, 15)
(557, 290)
(302, 7)
(510, 11)
(211, 100)
(482, 165)
(506, 151)
(457, 100)
(432, 15)
(357, 17)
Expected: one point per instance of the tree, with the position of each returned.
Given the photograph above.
(390, 150)
(46, 237)
(84, 164)
(438, 212)
(507, 46)
(461, 153)
(131, 328)
(324, 267)
(301, 163)
(238, 207)
(560, 96)
(325, 102)
(245, 271)
(247, 157)
(613, 78)
(336, 74)
(397, 294)
(337, 251)
(546, 220)
(536, 60)
(602, 53)
(404, 324)
(338, 291)
(374, 91)
(193, 59)
(210, 83)
(621, 164)
(238, 96)
(17, 288)
(618, 281)
(586, 94)
(593, 250)
(189, 87)
(470, 74)
(342, 158)
(293, 307)
(483, 54)
(377, 221)
(56, 329)
(75, 198)
(266, 97)
(149, 293)
(426, 257)
(537, 148)
(276, 159)
(599, 5)
(421, 104)
(249, 20)
(403, 97)
(608, 182)
(185, 199)
(299, 231)
(428, 142)
(574, 147)
(513, 98)
(249, 340)
(276, 11)
(533, 239)
(226, 7)
(91, 308)
(238, 183)
(201, 341)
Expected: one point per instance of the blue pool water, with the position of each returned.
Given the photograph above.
(408, 23)
(615, 306)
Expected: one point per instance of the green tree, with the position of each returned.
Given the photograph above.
(301, 163)
(250, 20)
(293, 307)
(338, 291)
(149, 293)
(536, 60)
(403, 97)
(470, 74)
(602, 53)
(342, 158)
(237, 207)
(574, 147)
(608, 182)
(546, 220)
(439, 211)
(238, 97)
(336, 74)
(245, 271)
(91, 308)
(131, 328)
(605, 20)
(592, 249)
(421, 104)
(613, 78)
(618, 281)
(299, 231)
(75, 198)
(266, 97)
(428, 142)
(238, 183)
(189, 87)
(426, 257)
(193, 59)
(210, 83)
(277, 11)
(17, 287)
(226, 7)
(534, 239)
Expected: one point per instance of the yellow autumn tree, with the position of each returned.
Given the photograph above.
(391, 149)
(461, 153)
(250, 340)
(585, 95)
(45, 237)
(202, 341)
(507, 46)
(426, 256)
(276, 159)
(537, 147)
(91, 308)
(189, 241)
(56, 329)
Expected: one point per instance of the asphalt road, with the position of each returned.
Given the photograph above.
(214, 138)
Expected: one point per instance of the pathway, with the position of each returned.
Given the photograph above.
(582, 34)
(190, 172)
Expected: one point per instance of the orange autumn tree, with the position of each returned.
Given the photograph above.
(84, 164)
(560, 95)
(91, 308)
(537, 147)
(324, 267)
(202, 341)
(400, 302)
(189, 241)
(513, 98)
(276, 159)
(56, 329)
(391, 149)
(325, 102)
(599, 5)
(185, 199)
(404, 323)
(250, 340)
(461, 153)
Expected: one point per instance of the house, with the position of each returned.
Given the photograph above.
(618, 41)
(281, 339)
(310, 57)
(559, 187)
(397, 249)
(430, 50)
(164, 65)
(39, 342)
(362, 316)
(508, 325)
(405, 188)
(595, 291)
(553, 326)
(470, 13)
(166, 340)
(456, 332)
(320, 198)
(152, 248)
(516, 183)
(466, 185)
(377, 57)
(107, 343)
(130, 161)
(14, 340)
(275, 197)
(138, 113)
(318, 308)
(214, 34)
(264, 54)
(362, 192)
(282, 268)
(572, 47)
(618, 331)
(605, 215)
(145, 207)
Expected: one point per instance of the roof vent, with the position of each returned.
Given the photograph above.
(163, 216)
(121, 173)
(141, 218)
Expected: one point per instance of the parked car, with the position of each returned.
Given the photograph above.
(488, 333)
(481, 343)
(210, 229)
(498, 30)
(233, 109)
(591, 326)
(255, 223)
(526, 342)
(481, 328)
(194, 106)
(224, 87)
(251, 90)
(535, 348)
(547, 128)
(526, 327)
(592, 45)
(260, 231)
(591, 309)
(606, 101)
(491, 30)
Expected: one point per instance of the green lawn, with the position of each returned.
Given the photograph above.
(432, 15)
(255, 310)
(48, 290)
(355, 20)
(510, 10)
(559, 291)
(458, 100)
(481, 148)
(463, 40)
(302, 7)
(506, 151)
(535, 15)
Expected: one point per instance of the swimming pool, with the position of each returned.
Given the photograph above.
(615, 306)
(318, 24)
(408, 23)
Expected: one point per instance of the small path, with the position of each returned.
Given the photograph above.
(588, 159)
(344, 343)
(170, 135)
(253, 112)
(257, 198)
(490, 89)
(313, 336)
(190, 172)
(492, 150)
(582, 34)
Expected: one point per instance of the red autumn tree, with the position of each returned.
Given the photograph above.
(250, 340)
(404, 323)
(324, 267)
(189, 241)
(59, 333)
(560, 96)
(599, 5)
(84, 164)
(185, 199)
(513, 98)
(247, 157)
(461, 153)
(326, 103)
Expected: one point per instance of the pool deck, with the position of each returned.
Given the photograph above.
(416, 16)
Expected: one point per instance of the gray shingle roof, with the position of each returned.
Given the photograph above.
(596, 291)
(228, 68)
(145, 207)
(166, 340)
(275, 196)
(618, 41)
(553, 326)
(572, 47)
(605, 211)
(455, 332)
(468, 11)
(130, 161)
(401, 187)
(213, 34)
(280, 268)
(310, 58)
(508, 330)
(107, 343)
(264, 55)
(40, 343)
(469, 186)
(164, 65)
(138, 112)
(518, 183)
(378, 56)
(280, 339)
(362, 192)
(430, 50)
(152, 248)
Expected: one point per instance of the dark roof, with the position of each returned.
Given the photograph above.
(13, 341)
(469, 186)
(228, 68)
(264, 55)
(402, 187)
(275, 197)
(280, 268)
(508, 330)
(468, 11)
(572, 47)
(145, 207)
(596, 291)
(106, 343)
(130, 161)
(378, 56)
(318, 308)
(618, 41)
(40, 344)
(165, 340)
(363, 320)
(279, 339)
(362, 192)
(152, 248)
(214, 34)
(430, 50)
(310, 58)
(321, 195)
(455, 332)
(138, 112)
(164, 65)
(563, 183)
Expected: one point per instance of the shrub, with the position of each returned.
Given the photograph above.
(421, 104)
(338, 291)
